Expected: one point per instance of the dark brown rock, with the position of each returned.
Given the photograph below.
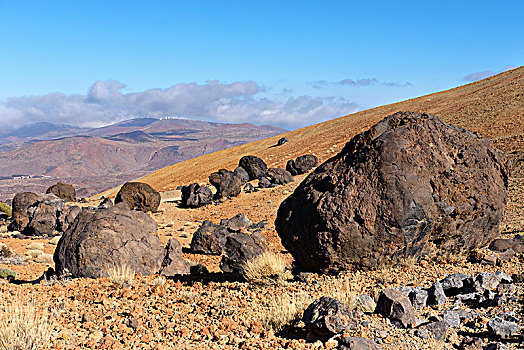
(274, 177)
(396, 306)
(138, 196)
(67, 217)
(194, 196)
(43, 216)
(358, 343)
(240, 248)
(227, 183)
(21, 202)
(64, 191)
(209, 239)
(100, 239)
(327, 316)
(173, 263)
(106, 203)
(302, 164)
(501, 244)
(236, 223)
(242, 173)
(410, 185)
(254, 166)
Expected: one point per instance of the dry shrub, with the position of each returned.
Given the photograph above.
(23, 326)
(122, 275)
(284, 310)
(5, 251)
(344, 288)
(36, 246)
(265, 268)
(45, 259)
(34, 253)
(6, 209)
(159, 281)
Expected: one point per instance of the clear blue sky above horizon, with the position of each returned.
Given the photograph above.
(250, 61)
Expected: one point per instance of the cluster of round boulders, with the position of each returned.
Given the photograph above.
(231, 183)
(138, 196)
(408, 186)
(230, 239)
(63, 191)
(40, 215)
(104, 238)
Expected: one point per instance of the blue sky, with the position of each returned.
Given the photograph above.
(287, 63)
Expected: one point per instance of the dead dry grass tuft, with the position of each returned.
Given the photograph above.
(34, 253)
(265, 268)
(122, 276)
(23, 326)
(284, 310)
(345, 288)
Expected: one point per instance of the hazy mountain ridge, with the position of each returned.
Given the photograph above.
(130, 147)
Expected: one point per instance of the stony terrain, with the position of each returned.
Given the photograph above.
(210, 311)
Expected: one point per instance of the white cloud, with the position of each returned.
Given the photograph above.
(236, 102)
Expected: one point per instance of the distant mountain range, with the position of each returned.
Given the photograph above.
(131, 147)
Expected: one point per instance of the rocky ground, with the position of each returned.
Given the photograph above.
(212, 312)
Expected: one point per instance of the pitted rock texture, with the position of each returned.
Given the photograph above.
(138, 196)
(100, 239)
(228, 183)
(21, 202)
(64, 191)
(410, 185)
(275, 177)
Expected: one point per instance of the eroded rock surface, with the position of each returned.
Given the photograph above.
(410, 185)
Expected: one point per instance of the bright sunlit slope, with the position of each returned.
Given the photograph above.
(493, 107)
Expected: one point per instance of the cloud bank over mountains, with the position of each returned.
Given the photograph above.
(237, 102)
(319, 84)
(475, 76)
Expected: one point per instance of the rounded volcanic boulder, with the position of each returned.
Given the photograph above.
(302, 164)
(194, 195)
(64, 191)
(21, 202)
(254, 166)
(410, 185)
(102, 238)
(138, 196)
(228, 183)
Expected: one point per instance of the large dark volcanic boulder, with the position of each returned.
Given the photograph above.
(412, 184)
(228, 183)
(254, 166)
(100, 239)
(21, 202)
(138, 196)
(64, 191)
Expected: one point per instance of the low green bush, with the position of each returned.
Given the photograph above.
(7, 274)
(5, 208)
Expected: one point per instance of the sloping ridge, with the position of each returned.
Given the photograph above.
(493, 107)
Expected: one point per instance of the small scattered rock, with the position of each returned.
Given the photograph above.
(365, 303)
(302, 164)
(418, 298)
(436, 295)
(503, 325)
(327, 316)
(396, 306)
(358, 343)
